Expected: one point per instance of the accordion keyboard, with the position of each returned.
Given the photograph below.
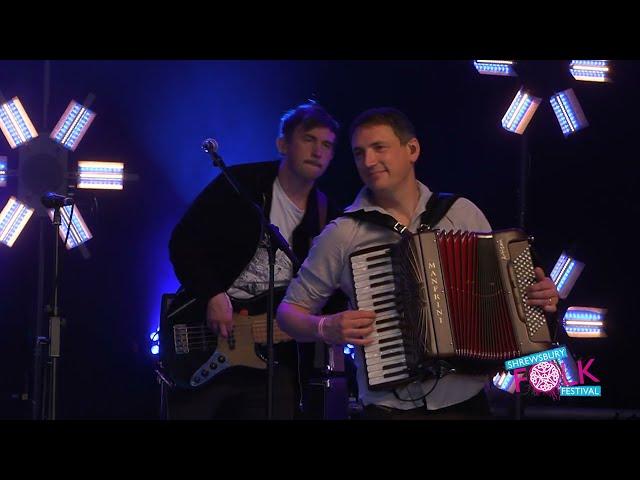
(385, 359)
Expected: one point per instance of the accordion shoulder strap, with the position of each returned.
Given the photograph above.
(379, 218)
(436, 208)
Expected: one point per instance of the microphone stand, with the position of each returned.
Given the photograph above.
(273, 241)
(525, 166)
(46, 393)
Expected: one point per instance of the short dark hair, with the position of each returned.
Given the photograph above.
(394, 118)
(309, 115)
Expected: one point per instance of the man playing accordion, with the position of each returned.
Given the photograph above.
(385, 149)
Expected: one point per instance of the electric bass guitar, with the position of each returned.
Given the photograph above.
(191, 355)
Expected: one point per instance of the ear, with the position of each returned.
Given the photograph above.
(414, 149)
(281, 145)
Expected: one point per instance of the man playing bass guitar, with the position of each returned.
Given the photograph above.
(217, 255)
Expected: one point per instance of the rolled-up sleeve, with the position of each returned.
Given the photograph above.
(319, 276)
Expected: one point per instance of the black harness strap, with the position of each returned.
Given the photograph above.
(437, 207)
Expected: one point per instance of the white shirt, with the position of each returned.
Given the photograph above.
(327, 268)
(254, 279)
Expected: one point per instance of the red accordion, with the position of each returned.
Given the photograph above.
(455, 297)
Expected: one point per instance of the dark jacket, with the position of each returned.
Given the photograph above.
(219, 234)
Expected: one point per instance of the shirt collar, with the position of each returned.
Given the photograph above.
(364, 201)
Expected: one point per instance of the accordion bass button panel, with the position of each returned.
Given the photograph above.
(534, 316)
(520, 267)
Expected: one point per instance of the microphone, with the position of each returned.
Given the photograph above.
(53, 200)
(210, 145)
